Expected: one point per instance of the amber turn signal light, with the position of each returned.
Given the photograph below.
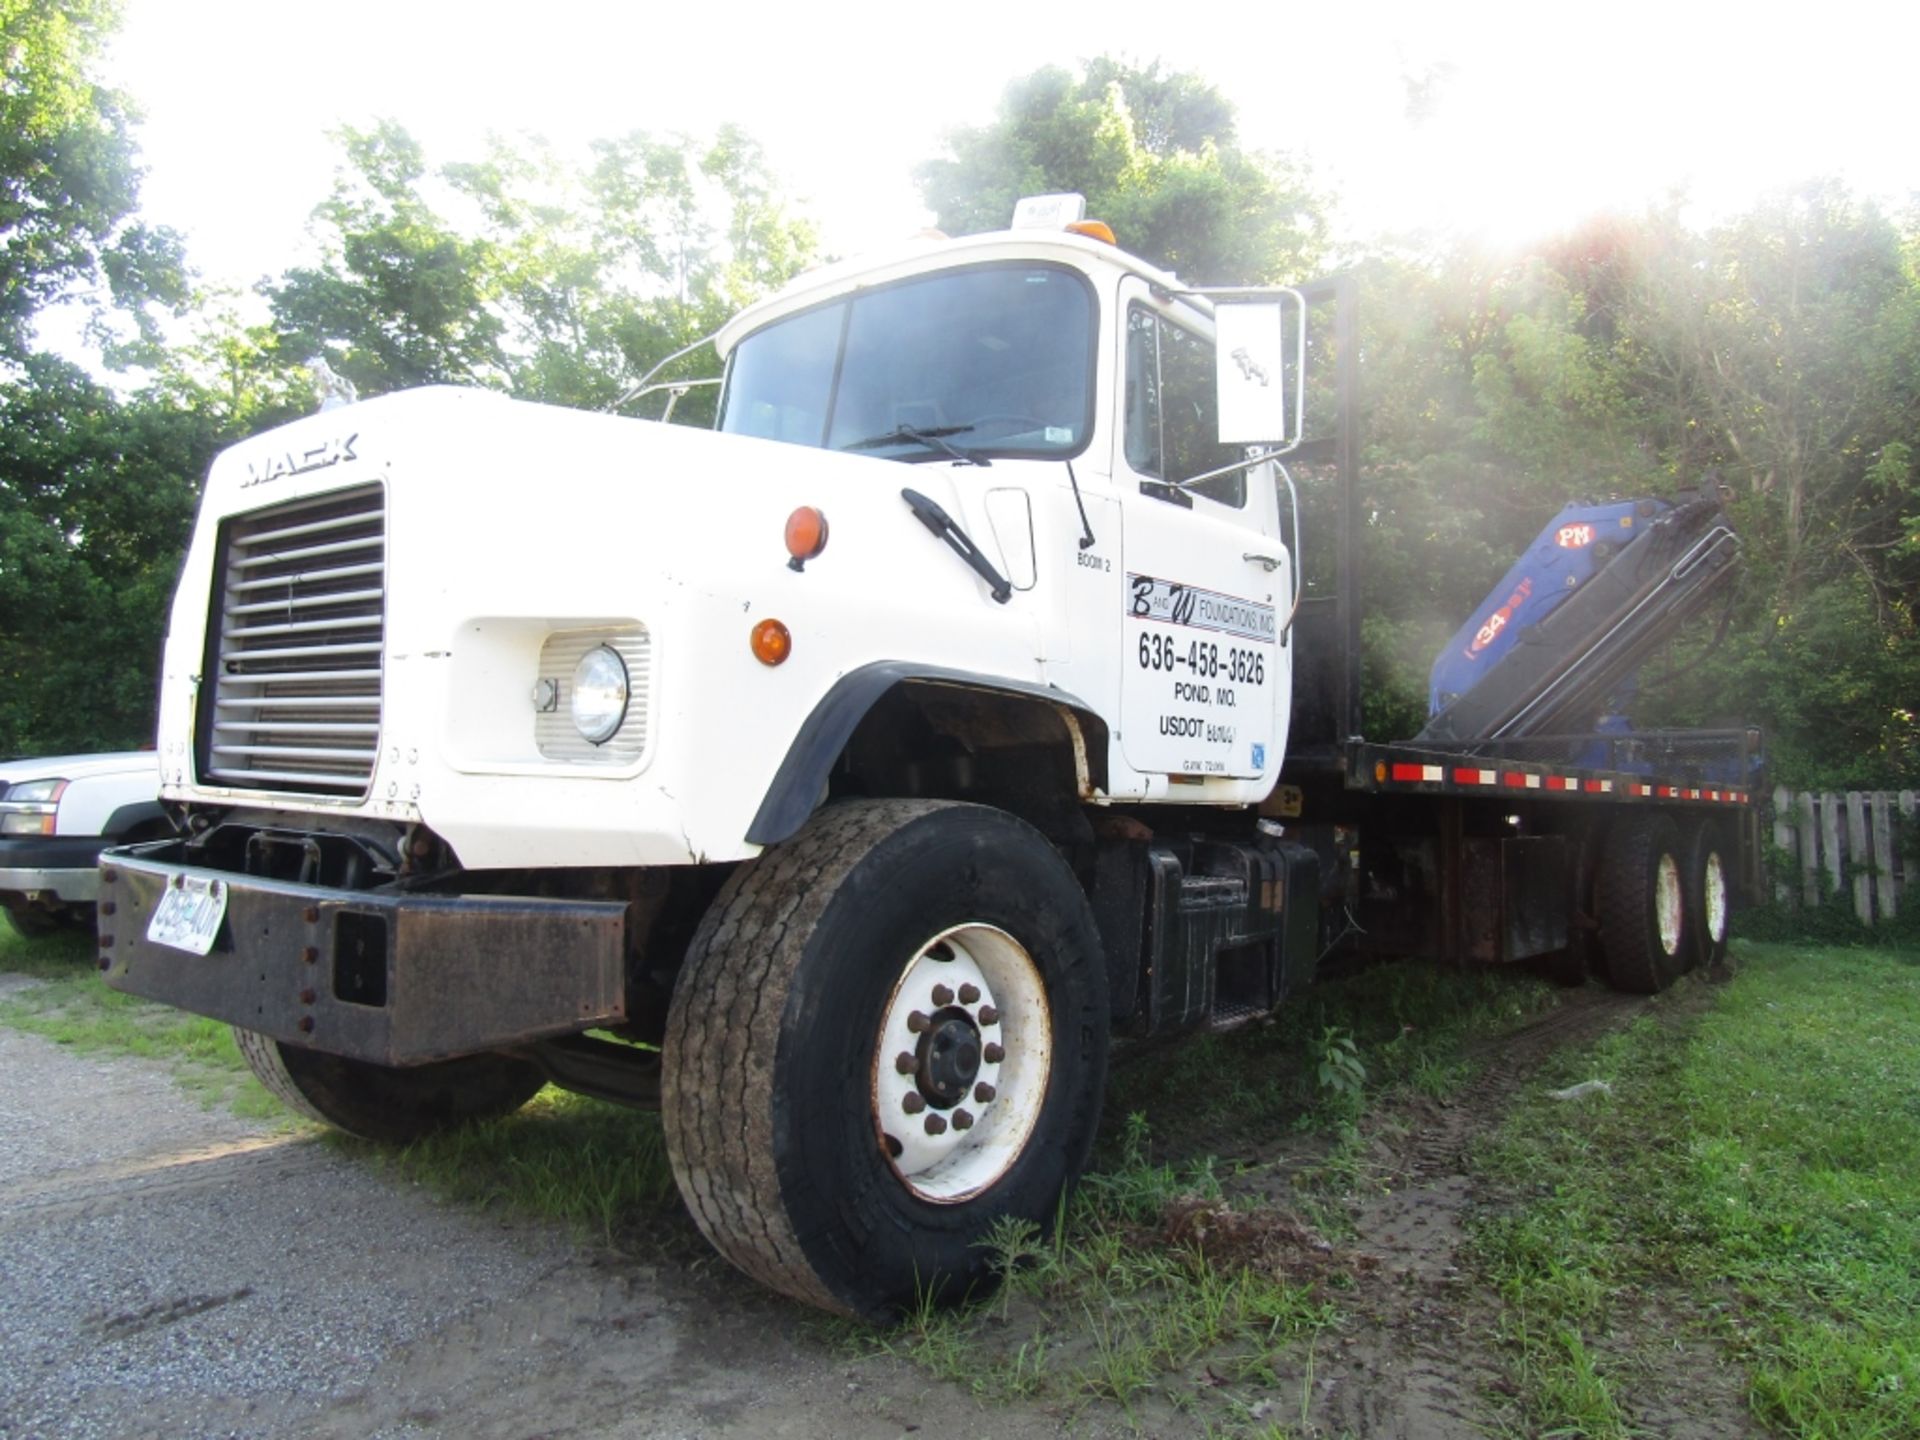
(806, 535)
(1094, 229)
(771, 642)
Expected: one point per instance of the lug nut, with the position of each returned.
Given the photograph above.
(106, 907)
(984, 1092)
(989, 1015)
(306, 1024)
(307, 997)
(942, 995)
(310, 955)
(105, 963)
(936, 1125)
(914, 1102)
(969, 994)
(962, 1120)
(893, 1146)
(904, 1063)
(312, 914)
(109, 874)
(106, 942)
(918, 1023)
(993, 1054)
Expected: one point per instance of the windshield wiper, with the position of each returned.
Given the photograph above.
(933, 439)
(929, 514)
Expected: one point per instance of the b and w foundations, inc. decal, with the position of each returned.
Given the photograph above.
(1172, 603)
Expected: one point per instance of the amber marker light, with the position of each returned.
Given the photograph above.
(1094, 229)
(806, 536)
(772, 642)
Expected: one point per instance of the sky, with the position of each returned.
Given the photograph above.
(1535, 117)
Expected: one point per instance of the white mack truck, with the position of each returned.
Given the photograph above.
(840, 780)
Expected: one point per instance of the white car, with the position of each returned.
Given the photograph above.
(56, 815)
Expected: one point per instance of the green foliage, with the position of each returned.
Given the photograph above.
(558, 282)
(1337, 1066)
(96, 500)
(69, 180)
(1156, 156)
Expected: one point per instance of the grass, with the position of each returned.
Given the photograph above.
(69, 1006)
(1153, 1295)
(599, 1169)
(1733, 1226)
(1190, 1291)
(1744, 1200)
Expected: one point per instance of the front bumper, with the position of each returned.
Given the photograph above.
(391, 977)
(63, 866)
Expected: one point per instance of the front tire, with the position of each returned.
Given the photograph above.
(389, 1104)
(889, 1032)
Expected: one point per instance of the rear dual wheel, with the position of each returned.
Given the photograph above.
(1643, 912)
(1709, 891)
(889, 1033)
(1664, 900)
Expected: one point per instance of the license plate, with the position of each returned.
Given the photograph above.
(189, 914)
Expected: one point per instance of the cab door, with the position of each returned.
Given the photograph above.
(1203, 676)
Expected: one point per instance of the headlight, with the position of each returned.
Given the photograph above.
(46, 791)
(29, 807)
(599, 694)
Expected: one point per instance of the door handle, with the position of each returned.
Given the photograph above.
(1271, 562)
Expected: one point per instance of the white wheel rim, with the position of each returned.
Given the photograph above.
(971, 985)
(1666, 903)
(1714, 883)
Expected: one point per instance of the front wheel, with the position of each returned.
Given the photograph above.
(393, 1105)
(889, 1033)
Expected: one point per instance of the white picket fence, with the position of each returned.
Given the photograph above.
(1857, 839)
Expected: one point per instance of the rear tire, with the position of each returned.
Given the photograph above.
(1709, 892)
(1643, 920)
(393, 1105)
(889, 1032)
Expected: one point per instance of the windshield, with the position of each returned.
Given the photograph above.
(994, 359)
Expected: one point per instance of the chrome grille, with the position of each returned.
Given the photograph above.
(296, 646)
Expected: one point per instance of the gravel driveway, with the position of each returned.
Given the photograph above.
(172, 1271)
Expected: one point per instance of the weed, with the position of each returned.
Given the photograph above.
(1337, 1066)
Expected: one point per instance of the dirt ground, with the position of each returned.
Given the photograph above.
(170, 1271)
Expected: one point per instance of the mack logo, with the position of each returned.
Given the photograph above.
(299, 462)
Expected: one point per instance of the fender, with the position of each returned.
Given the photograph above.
(802, 776)
(130, 817)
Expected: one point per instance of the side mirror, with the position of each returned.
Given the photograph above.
(1253, 370)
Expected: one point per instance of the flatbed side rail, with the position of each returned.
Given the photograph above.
(1709, 768)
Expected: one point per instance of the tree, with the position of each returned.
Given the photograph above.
(399, 298)
(563, 283)
(69, 182)
(97, 497)
(1156, 156)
